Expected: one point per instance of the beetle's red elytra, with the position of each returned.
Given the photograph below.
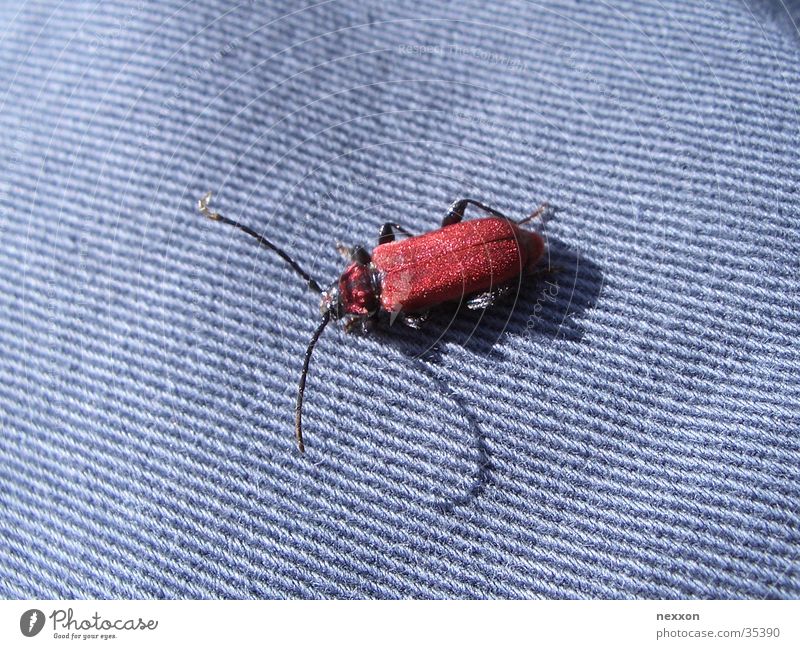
(473, 261)
(457, 260)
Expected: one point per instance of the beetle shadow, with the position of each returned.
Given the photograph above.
(483, 463)
(549, 307)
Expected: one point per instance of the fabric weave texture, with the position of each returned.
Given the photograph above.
(626, 427)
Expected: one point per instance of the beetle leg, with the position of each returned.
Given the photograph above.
(352, 324)
(363, 324)
(367, 325)
(356, 254)
(536, 214)
(360, 255)
(547, 272)
(487, 299)
(415, 321)
(456, 212)
(387, 232)
(344, 251)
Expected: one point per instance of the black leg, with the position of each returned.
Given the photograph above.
(387, 232)
(360, 255)
(363, 324)
(485, 300)
(456, 212)
(357, 254)
(416, 320)
(538, 213)
(546, 272)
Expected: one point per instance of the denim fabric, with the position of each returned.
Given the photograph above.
(625, 427)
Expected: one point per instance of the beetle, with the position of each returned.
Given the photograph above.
(476, 260)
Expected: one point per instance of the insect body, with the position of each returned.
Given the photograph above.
(476, 261)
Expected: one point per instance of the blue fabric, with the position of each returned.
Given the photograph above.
(627, 427)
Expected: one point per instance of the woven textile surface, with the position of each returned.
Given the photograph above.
(625, 427)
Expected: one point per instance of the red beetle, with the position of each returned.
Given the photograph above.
(476, 261)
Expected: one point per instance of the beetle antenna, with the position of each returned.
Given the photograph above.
(202, 205)
(298, 410)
